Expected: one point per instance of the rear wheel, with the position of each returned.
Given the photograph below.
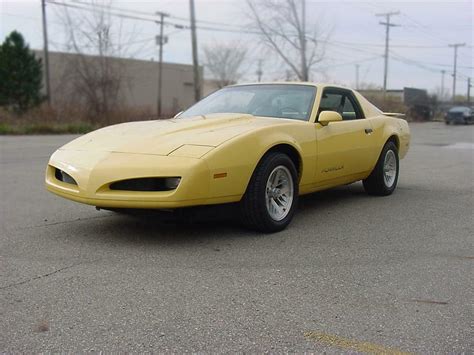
(272, 195)
(383, 179)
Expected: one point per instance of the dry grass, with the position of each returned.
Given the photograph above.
(67, 119)
(390, 104)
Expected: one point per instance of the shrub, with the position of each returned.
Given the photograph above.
(20, 74)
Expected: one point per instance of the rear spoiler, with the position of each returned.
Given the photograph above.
(393, 114)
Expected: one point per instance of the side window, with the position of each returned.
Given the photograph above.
(348, 112)
(342, 102)
(331, 102)
(351, 110)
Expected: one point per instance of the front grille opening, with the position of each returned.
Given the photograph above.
(147, 184)
(64, 177)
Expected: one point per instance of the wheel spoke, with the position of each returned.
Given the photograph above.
(285, 190)
(279, 193)
(390, 168)
(275, 205)
(276, 177)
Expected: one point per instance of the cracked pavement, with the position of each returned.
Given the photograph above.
(351, 273)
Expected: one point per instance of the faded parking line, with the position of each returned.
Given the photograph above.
(349, 344)
(461, 145)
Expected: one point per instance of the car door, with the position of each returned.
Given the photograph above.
(343, 147)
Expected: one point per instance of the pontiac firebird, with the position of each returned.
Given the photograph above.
(261, 145)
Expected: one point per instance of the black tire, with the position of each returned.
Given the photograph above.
(253, 209)
(447, 122)
(375, 184)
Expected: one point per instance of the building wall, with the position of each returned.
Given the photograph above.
(139, 87)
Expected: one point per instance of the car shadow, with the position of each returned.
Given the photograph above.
(207, 223)
(328, 198)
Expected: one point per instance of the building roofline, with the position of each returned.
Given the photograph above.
(112, 57)
(302, 83)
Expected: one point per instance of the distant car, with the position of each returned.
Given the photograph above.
(459, 114)
(261, 145)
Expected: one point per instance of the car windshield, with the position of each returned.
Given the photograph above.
(459, 109)
(269, 100)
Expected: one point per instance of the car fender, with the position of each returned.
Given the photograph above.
(387, 127)
(232, 164)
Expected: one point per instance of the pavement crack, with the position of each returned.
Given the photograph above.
(40, 276)
(428, 301)
(63, 222)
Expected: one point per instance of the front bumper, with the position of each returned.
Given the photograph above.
(456, 119)
(94, 172)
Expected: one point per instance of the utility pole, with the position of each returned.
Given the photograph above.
(469, 90)
(197, 81)
(259, 70)
(387, 25)
(442, 84)
(160, 40)
(357, 76)
(304, 66)
(455, 46)
(46, 52)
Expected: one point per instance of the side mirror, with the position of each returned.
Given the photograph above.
(179, 113)
(329, 116)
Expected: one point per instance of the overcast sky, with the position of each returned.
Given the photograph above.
(419, 46)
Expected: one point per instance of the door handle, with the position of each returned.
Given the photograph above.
(368, 130)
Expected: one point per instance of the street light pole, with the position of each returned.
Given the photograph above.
(387, 25)
(46, 52)
(197, 81)
(442, 84)
(455, 46)
(160, 41)
(357, 76)
(469, 91)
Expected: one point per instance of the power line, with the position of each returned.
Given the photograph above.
(423, 28)
(429, 63)
(228, 28)
(94, 10)
(235, 29)
(422, 65)
(166, 23)
(152, 15)
(414, 46)
(413, 62)
(349, 63)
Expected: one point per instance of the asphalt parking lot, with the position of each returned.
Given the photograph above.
(351, 273)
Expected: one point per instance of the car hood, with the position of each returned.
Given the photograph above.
(162, 137)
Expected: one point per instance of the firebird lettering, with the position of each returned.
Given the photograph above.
(333, 168)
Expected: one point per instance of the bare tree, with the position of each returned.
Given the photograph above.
(282, 27)
(95, 73)
(224, 62)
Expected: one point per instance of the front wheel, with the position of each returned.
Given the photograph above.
(383, 179)
(272, 194)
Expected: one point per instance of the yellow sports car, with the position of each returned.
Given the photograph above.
(261, 145)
